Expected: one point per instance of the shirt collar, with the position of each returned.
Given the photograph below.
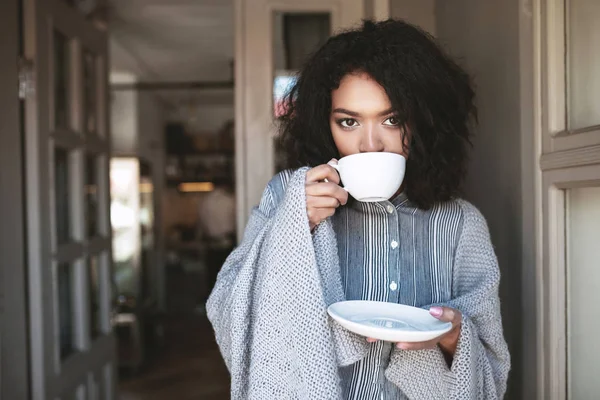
(402, 200)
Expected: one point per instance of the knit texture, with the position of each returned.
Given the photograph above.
(269, 307)
(269, 312)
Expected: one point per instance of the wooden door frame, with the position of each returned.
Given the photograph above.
(14, 368)
(377, 9)
(254, 128)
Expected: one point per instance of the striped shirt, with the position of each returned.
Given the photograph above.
(389, 251)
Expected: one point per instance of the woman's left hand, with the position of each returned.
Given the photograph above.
(447, 342)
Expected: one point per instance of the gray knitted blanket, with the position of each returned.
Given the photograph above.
(269, 313)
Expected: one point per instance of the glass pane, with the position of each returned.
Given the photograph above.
(584, 63)
(80, 394)
(94, 293)
(124, 216)
(62, 59)
(94, 387)
(101, 387)
(91, 195)
(583, 257)
(148, 275)
(89, 92)
(62, 195)
(107, 382)
(65, 310)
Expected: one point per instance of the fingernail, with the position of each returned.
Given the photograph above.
(402, 346)
(436, 311)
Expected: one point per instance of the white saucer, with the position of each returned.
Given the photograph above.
(388, 321)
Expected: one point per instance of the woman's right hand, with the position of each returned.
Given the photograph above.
(323, 194)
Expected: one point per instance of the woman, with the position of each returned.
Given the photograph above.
(387, 87)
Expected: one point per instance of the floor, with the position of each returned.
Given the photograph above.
(188, 365)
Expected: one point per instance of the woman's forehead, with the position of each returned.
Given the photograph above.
(360, 93)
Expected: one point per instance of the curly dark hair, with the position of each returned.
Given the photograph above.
(430, 93)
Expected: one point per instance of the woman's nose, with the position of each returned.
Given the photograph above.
(370, 141)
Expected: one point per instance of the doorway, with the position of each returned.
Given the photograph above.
(172, 121)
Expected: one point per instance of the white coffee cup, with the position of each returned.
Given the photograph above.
(371, 177)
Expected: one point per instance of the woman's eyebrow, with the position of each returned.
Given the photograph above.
(348, 112)
(356, 114)
(386, 112)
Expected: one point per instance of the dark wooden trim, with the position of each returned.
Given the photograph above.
(14, 355)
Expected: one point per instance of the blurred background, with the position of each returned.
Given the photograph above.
(137, 135)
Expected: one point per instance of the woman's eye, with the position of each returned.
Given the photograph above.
(391, 121)
(348, 122)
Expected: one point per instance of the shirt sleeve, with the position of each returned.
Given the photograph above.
(481, 363)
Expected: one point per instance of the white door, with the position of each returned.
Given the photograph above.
(67, 205)
(254, 73)
(568, 130)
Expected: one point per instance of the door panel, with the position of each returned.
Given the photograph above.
(567, 130)
(67, 195)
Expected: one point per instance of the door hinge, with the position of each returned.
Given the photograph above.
(26, 78)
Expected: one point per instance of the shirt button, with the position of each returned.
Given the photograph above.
(394, 244)
(393, 286)
(390, 209)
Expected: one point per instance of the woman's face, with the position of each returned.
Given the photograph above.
(362, 119)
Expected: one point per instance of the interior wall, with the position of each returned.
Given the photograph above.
(14, 360)
(418, 12)
(485, 38)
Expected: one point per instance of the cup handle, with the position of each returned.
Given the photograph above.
(337, 168)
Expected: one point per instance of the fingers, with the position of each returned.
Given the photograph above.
(418, 345)
(446, 314)
(322, 172)
(323, 194)
(322, 202)
(327, 189)
(412, 346)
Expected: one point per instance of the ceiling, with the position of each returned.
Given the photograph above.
(174, 40)
(170, 40)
